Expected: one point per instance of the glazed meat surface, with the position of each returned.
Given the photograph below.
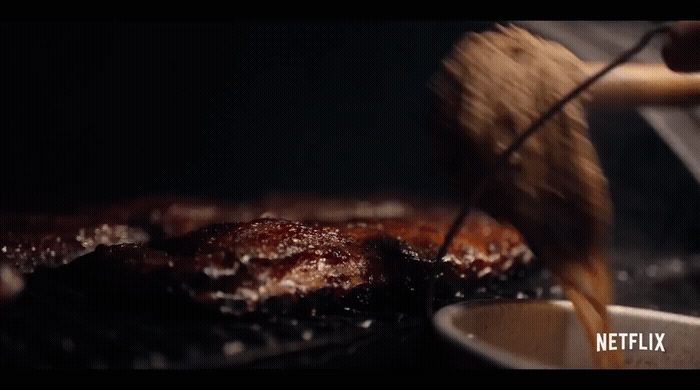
(254, 261)
(358, 244)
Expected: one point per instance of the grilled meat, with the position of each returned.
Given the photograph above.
(253, 261)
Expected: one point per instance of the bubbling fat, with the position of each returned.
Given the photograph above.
(492, 87)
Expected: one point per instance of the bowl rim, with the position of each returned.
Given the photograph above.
(503, 358)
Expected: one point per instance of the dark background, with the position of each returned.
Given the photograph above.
(99, 112)
(95, 112)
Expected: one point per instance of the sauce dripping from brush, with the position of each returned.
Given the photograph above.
(550, 187)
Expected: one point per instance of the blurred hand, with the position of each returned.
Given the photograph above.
(682, 50)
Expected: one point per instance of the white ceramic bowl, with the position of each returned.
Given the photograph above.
(547, 334)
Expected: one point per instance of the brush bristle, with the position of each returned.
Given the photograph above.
(491, 88)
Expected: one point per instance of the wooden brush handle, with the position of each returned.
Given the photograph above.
(638, 84)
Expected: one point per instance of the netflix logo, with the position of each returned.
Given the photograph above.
(630, 341)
